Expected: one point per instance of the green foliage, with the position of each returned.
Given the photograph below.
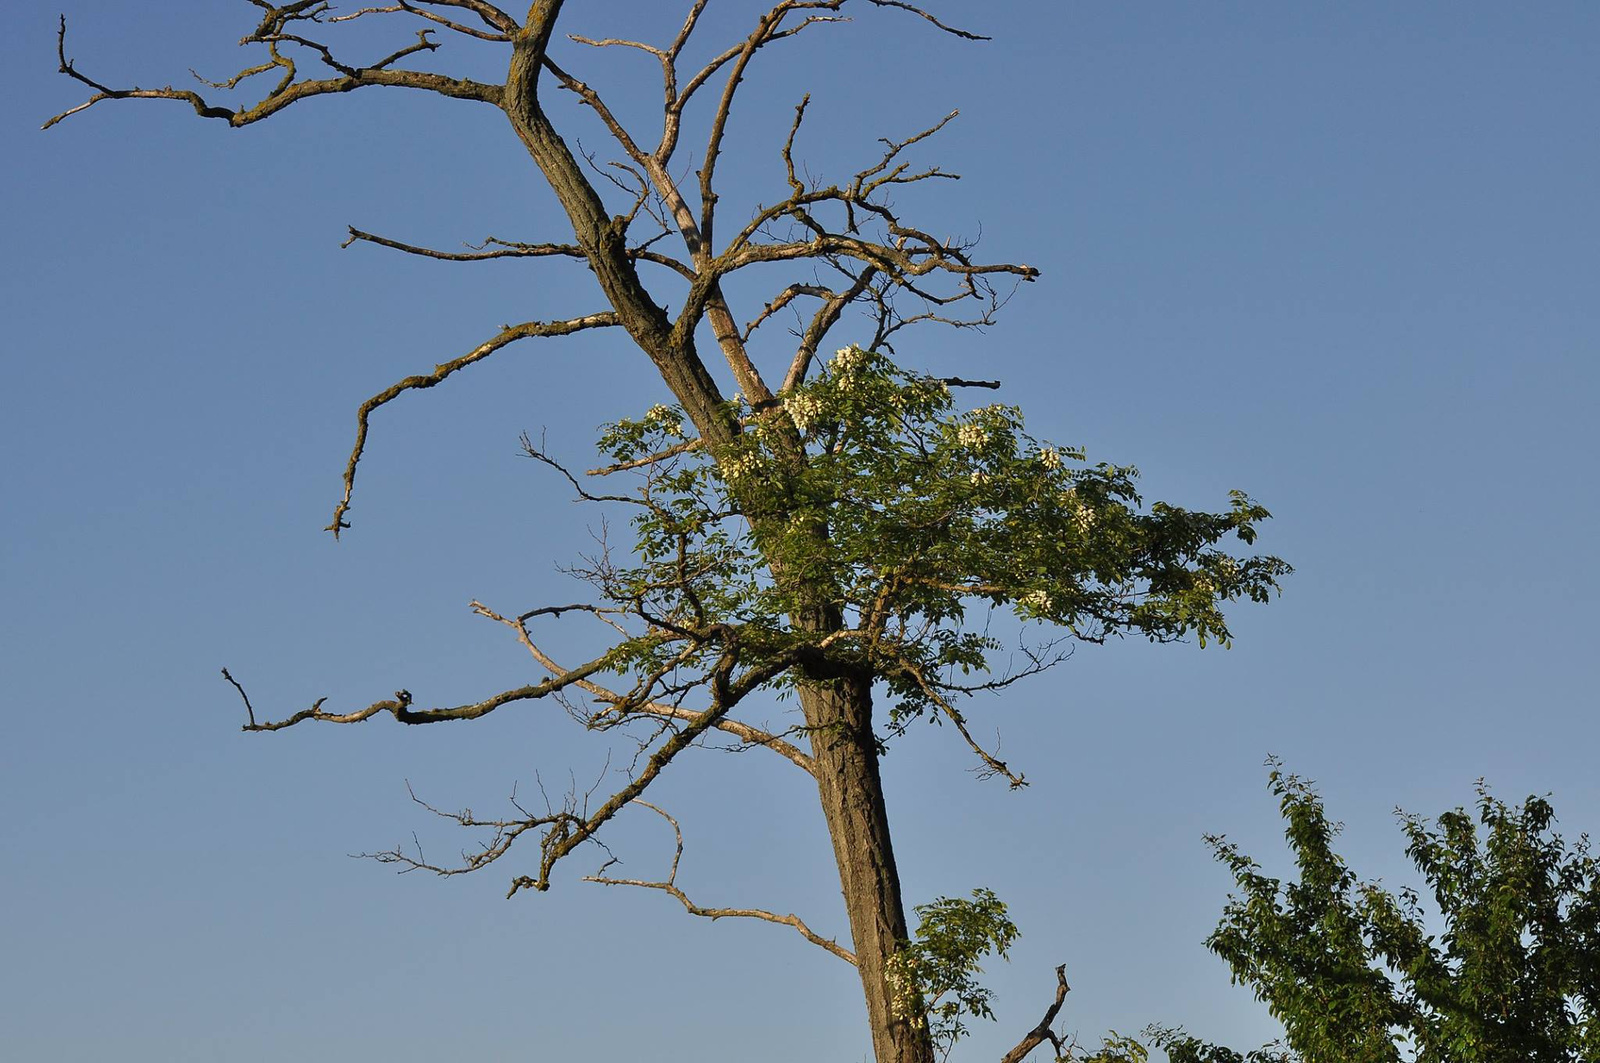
(1114, 1048)
(1355, 976)
(934, 976)
(877, 501)
(1180, 1047)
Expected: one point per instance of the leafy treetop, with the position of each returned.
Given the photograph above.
(910, 512)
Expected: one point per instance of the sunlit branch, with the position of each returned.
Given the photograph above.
(491, 248)
(501, 32)
(783, 299)
(288, 91)
(768, 29)
(747, 734)
(506, 336)
(992, 765)
(670, 887)
(494, 248)
(649, 459)
(726, 692)
(1043, 1032)
(399, 706)
(823, 321)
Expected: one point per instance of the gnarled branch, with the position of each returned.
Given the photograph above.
(290, 90)
(1043, 1032)
(400, 705)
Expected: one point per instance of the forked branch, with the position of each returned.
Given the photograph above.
(291, 89)
(635, 705)
(502, 25)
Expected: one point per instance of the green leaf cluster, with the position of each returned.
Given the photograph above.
(934, 976)
(1507, 971)
(868, 498)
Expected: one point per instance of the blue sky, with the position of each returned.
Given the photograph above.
(1341, 258)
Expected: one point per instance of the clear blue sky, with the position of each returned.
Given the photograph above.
(1341, 257)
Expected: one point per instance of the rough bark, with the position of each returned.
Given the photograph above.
(845, 758)
(603, 239)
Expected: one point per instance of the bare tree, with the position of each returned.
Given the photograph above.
(791, 598)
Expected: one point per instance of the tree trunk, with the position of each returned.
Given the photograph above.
(845, 755)
(838, 711)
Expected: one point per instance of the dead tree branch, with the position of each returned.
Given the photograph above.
(670, 887)
(1043, 1032)
(292, 89)
(745, 733)
(400, 705)
(506, 336)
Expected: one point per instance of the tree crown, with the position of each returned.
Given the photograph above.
(912, 513)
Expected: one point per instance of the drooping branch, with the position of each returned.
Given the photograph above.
(670, 887)
(504, 337)
(992, 765)
(250, 711)
(915, 10)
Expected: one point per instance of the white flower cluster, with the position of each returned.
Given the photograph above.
(972, 436)
(663, 419)
(1050, 457)
(804, 410)
(847, 360)
(902, 990)
(740, 467)
(1082, 515)
(897, 990)
(1037, 601)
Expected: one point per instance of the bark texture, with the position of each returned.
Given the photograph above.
(845, 754)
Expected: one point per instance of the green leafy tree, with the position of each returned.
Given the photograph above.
(831, 531)
(934, 977)
(1505, 970)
